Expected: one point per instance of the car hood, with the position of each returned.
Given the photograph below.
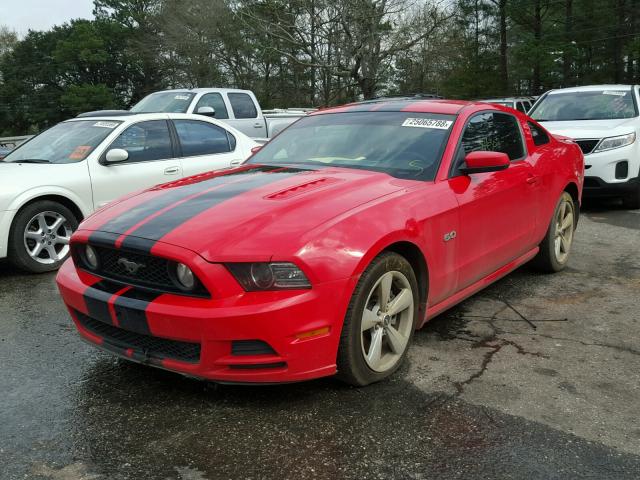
(577, 129)
(17, 178)
(250, 212)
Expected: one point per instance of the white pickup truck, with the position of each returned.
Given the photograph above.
(238, 108)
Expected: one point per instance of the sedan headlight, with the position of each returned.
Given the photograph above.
(610, 143)
(268, 276)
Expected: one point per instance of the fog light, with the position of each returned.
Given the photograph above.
(622, 170)
(185, 277)
(91, 257)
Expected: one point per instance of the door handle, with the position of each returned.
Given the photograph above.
(235, 162)
(171, 170)
(258, 125)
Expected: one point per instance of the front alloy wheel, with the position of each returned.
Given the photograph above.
(380, 321)
(46, 237)
(556, 245)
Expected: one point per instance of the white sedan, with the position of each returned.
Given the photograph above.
(53, 181)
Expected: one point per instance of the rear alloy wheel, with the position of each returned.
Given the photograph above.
(40, 235)
(380, 321)
(556, 245)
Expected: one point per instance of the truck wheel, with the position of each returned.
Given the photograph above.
(556, 245)
(380, 321)
(39, 236)
(632, 201)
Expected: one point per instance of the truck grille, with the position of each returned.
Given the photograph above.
(146, 345)
(587, 145)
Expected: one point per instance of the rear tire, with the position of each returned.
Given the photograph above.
(556, 245)
(380, 321)
(39, 236)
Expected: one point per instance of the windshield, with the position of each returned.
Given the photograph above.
(164, 102)
(590, 105)
(403, 144)
(67, 142)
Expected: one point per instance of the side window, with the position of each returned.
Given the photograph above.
(540, 137)
(243, 106)
(215, 101)
(520, 107)
(496, 132)
(201, 138)
(145, 141)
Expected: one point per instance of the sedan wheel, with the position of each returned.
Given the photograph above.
(387, 321)
(39, 236)
(47, 236)
(380, 321)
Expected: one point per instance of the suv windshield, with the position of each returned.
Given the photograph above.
(164, 102)
(67, 142)
(586, 105)
(403, 144)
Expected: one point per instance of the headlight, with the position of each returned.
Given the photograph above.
(610, 143)
(90, 257)
(268, 276)
(184, 277)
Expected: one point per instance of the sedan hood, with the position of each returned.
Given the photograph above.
(18, 178)
(251, 212)
(577, 129)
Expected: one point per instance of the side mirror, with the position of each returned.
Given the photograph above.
(206, 111)
(481, 162)
(116, 155)
(256, 149)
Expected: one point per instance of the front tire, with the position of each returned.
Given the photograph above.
(556, 245)
(380, 321)
(39, 236)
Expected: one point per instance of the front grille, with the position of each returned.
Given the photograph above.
(587, 145)
(154, 272)
(146, 345)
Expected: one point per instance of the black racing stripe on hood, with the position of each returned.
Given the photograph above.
(159, 226)
(137, 214)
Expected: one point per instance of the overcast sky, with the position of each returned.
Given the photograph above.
(22, 15)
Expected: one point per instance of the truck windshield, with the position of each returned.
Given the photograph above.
(587, 105)
(403, 144)
(164, 102)
(67, 142)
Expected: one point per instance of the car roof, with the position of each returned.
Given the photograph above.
(203, 90)
(506, 99)
(141, 116)
(447, 107)
(592, 88)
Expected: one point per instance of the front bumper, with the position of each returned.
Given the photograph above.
(208, 338)
(595, 187)
(6, 217)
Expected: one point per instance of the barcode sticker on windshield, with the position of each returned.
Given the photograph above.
(427, 123)
(613, 92)
(181, 97)
(106, 124)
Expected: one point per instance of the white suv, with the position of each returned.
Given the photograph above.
(604, 121)
(50, 183)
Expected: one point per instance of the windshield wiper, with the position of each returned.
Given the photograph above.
(31, 160)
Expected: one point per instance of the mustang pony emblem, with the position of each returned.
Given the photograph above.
(131, 267)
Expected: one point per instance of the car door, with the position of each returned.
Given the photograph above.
(151, 161)
(246, 116)
(497, 209)
(204, 146)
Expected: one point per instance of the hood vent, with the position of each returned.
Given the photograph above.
(302, 188)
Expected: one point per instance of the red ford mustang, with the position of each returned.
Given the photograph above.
(327, 249)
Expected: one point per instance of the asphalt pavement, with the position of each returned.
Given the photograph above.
(537, 377)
